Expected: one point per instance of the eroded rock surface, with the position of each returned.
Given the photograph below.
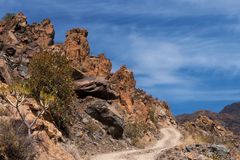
(197, 152)
(106, 102)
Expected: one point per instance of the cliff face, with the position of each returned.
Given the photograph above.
(19, 41)
(107, 102)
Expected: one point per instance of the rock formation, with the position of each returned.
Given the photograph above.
(108, 105)
(228, 117)
(106, 102)
(213, 128)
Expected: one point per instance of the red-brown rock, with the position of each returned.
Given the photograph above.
(76, 45)
(5, 74)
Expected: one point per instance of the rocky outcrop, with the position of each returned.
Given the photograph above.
(206, 131)
(106, 102)
(205, 126)
(192, 117)
(77, 50)
(43, 33)
(47, 149)
(107, 115)
(209, 128)
(198, 152)
(228, 117)
(45, 139)
(18, 33)
(76, 45)
(98, 66)
(98, 127)
(96, 87)
(5, 75)
(124, 83)
(19, 41)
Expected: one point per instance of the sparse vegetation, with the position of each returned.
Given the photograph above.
(8, 16)
(19, 93)
(92, 127)
(3, 111)
(152, 115)
(211, 139)
(216, 156)
(12, 145)
(135, 130)
(51, 75)
(199, 138)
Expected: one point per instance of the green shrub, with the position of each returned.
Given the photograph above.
(3, 111)
(12, 145)
(152, 115)
(135, 130)
(8, 16)
(51, 75)
(216, 156)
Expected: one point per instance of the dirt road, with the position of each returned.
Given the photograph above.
(171, 138)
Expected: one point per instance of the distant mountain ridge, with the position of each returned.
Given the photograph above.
(229, 117)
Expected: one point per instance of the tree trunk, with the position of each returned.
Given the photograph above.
(29, 132)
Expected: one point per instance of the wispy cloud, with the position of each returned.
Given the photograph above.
(180, 50)
(159, 61)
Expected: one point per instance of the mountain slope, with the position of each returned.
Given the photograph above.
(229, 117)
(110, 113)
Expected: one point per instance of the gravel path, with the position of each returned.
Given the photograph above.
(171, 138)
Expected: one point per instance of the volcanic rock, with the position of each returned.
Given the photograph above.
(124, 83)
(103, 112)
(5, 73)
(76, 45)
(106, 102)
(96, 87)
(228, 117)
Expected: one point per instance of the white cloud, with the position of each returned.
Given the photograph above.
(158, 61)
(190, 94)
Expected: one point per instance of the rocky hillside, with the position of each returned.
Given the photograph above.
(229, 117)
(108, 108)
(109, 113)
(214, 135)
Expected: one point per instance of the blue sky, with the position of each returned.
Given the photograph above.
(186, 52)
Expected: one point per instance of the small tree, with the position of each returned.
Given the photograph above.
(51, 74)
(20, 92)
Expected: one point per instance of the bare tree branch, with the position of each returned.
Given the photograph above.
(19, 101)
(40, 114)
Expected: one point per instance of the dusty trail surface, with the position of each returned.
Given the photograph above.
(171, 138)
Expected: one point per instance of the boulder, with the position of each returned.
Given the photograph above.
(77, 74)
(197, 152)
(96, 87)
(43, 33)
(47, 149)
(105, 113)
